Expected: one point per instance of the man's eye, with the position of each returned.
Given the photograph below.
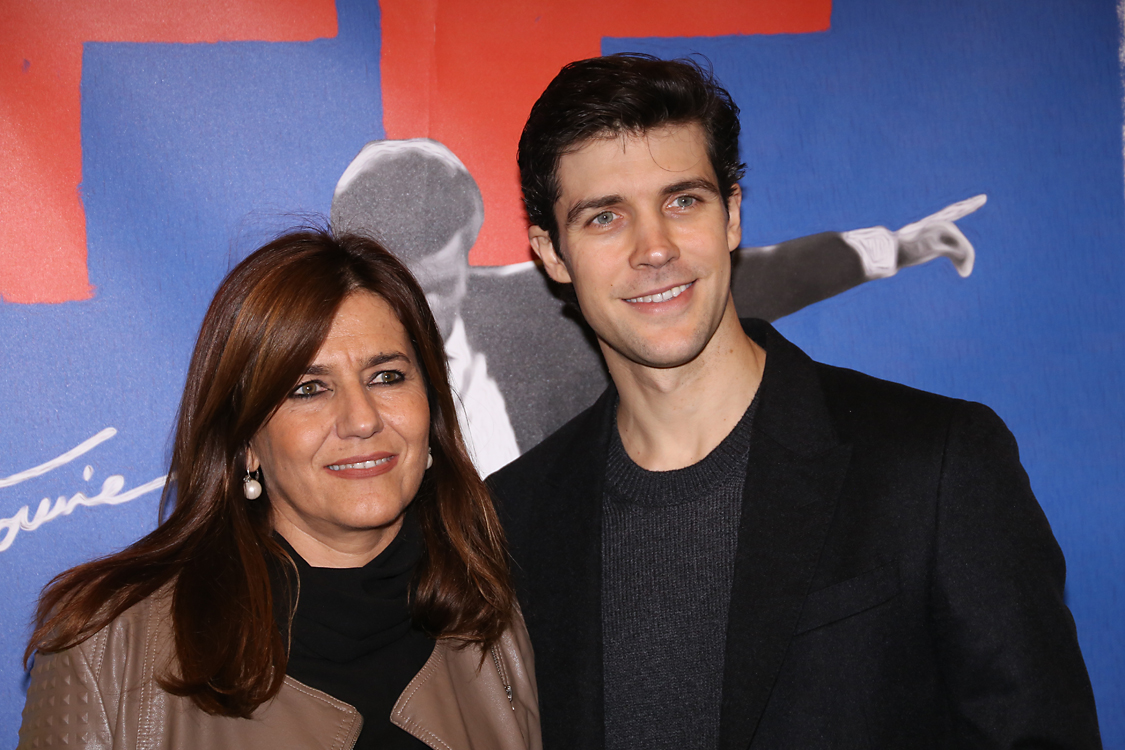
(684, 201)
(387, 377)
(605, 217)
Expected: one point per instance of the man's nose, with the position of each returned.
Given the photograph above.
(655, 245)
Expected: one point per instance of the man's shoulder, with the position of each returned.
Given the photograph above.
(867, 407)
(844, 387)
(795, 381)
(539, 462)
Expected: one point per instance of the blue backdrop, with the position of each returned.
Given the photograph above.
(192, 153)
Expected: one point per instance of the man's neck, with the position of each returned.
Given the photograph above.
(669, 418)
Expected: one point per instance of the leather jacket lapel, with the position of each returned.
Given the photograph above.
(796, 470)
(463, 698)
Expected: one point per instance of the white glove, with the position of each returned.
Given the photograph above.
(884, 252)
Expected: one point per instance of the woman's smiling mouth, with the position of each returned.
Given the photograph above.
(361, 464)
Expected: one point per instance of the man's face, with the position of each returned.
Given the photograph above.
(645, 238)
(444, 277)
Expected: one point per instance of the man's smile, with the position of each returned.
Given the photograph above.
(664, 296)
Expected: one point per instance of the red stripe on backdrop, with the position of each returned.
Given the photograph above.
(466, 73)
(42, 220)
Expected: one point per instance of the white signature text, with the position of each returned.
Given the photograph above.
(110, 493)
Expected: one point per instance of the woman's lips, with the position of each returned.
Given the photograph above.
(362, 467)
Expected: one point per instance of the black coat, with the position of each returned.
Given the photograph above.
(896, 584)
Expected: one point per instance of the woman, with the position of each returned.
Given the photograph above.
(332, 573)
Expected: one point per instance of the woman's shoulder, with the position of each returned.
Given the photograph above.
(138, 631)
(139, 636)
(81, 686)
(128, 630)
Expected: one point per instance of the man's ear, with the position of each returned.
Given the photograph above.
(734, 218)
(553, 263)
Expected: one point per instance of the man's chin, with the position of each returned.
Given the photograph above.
(657, 355)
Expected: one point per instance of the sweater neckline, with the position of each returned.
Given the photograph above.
(630, 483)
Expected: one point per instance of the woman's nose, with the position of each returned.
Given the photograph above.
(359, 414)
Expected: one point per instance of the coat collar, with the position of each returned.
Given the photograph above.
(794, 475)
(792, 408)
(796, 468)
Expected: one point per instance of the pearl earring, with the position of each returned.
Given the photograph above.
(429, 458)
(251, 487)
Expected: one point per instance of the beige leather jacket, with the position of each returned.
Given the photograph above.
(103, 694)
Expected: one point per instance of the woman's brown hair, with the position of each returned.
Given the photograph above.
(268, 319)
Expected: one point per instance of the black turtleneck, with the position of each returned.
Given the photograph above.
(353, 637)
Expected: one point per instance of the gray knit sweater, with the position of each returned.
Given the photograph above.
(668, 546)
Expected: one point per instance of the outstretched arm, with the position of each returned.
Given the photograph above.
(772, 282)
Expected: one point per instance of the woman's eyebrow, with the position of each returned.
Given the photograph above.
(373, 361)
(384, 358)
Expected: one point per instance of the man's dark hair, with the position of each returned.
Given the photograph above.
(621, 94)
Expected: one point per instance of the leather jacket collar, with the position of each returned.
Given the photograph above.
(103, 694)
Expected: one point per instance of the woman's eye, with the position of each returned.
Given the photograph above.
(387, 376)
(304, 390)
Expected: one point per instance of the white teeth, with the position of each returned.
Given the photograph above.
(360, 465)
(675, 291)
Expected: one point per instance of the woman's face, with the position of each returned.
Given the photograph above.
(345, 453)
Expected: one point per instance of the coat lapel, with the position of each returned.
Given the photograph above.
(565, 619)
(795, 472)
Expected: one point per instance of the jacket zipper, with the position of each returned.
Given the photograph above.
(503, 676)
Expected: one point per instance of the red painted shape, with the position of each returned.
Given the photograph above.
(466, 72)
(42, 220)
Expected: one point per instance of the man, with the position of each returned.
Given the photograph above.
(735, 546)
(419, 200)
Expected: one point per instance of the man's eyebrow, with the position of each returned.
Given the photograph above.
(581, 207)
(373, 361)
(689, 185)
